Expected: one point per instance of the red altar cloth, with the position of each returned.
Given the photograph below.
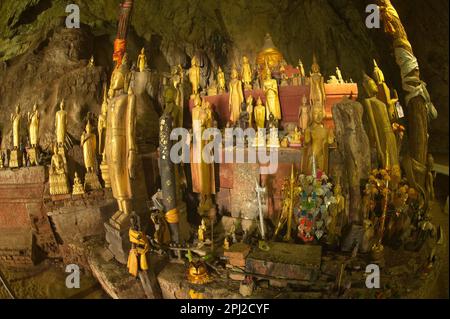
(290, 100)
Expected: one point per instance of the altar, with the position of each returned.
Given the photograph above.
(290, 101)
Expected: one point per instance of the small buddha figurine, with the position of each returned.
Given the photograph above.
(270, 88)
(201, 231)
(296, 137)
(317, 94)
(59, 184)
(246, 75)
(194, 76)
(91, 62)
(226, 243)
(303, 115)
(142, 60)
(284, 77)
(221, 81)
(318, 138)
(301, 70)
(260, 114)
(249, 103)
(78, 188)
(236, 96)
(61, 125)
(339, 76)
(89, 146)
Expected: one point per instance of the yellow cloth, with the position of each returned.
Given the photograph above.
(137, 257)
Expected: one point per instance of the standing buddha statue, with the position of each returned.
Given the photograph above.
(221, 81)
(247, 75)
(194, 76)
(270, 87)
(142, 60)
(16, 153)
(384, 93)
(120, 146)
(33, 133)
(303, 115)
(380, 133)
(236, 96)
(61, 125)
(317, 94)
(249, 103)
(89, 146)
(260, 118)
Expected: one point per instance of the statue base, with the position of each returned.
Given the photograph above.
(15, 159)
(118, 242)
(91, 182)
(105, 174)
(295, 145)
(59, 184)
(33, 156)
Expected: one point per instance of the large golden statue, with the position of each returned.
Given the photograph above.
(33, 126)
(270, 88)
(61, 125)
(246, 73)
(59, 183)
(203, 178)
(317, 94)
(221, 81)
(194, 76)
(236, 96)
(384, 93)
(380, 133)
(16, 121)
(120, 147)
(318, 138)
(142, 60)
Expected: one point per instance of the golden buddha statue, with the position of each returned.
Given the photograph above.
(201, 231)
(91, 62)
(260, 114)
(16, 122)
(270, 88)
(203, 178)
(296, 137)
(317, 94)
(33, 126)
(120, 146)
(301, 69)
(384, 93)
(61, 125)
(236, 96)
(171, 107)
(318, 138)
(303, 115)
(249, 103)
(246, 75)
(142, 60)
(78, 188)
(380, 130)
(194, 76)
(89, 145)
(221, 81)
(270, 54)
(59, 183)
(339, 76)
(273, 140)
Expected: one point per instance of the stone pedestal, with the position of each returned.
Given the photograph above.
(288, 261)
(91, 182)
(118, 242)
(244, 203)
(15, 159)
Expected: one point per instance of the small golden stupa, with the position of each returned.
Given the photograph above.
(270, 53)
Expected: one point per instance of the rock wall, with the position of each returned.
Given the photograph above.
(222, 31)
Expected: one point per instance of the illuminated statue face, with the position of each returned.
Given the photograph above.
(194, 61)
(88, 127)
(18, 109)
(117, 81)
(61, 105)
(244, 59)
(315, 68)
(35, 107)
(234, 74)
